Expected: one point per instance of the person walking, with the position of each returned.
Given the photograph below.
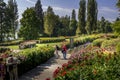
(56, 50)
(64, 51)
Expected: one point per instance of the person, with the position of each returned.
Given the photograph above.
(64, 51)
(56, 50)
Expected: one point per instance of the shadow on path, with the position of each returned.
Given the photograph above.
(45, 70)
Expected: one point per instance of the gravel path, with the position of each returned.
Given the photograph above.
(45, 70)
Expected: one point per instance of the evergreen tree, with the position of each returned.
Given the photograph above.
(49, 21)
(108, 27)
(2, 20)
(81, 18)
(64, 29)
(92, 11)
(29, 29)
(73, 23)
(39, 14)
(13, 16)
(102, 25)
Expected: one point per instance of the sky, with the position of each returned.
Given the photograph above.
(106, 8)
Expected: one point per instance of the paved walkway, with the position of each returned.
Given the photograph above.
(45, 70)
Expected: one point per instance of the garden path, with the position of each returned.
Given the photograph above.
(45, 70)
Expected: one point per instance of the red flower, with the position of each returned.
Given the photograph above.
(64, 73)
(47, 79)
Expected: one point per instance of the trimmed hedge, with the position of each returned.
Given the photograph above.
(50, 40)
(2, 50)
(112, 42)
(34, 57)
(8, 43)
(98, 42)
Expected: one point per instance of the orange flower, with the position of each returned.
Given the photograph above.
(64, 73)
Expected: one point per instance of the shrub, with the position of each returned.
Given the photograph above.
(3, 49)
(118, 47)
(112, 42)
(31, 58)
(8, 43)
(50, 40)
(97, 42)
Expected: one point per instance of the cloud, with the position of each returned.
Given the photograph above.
(32, 2)
(106, 10)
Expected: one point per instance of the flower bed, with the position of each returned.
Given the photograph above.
(90, 63)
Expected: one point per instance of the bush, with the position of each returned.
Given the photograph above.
(118, 47)
(97, 42)
(8, 43)
(31, 58)
(50, 40)
(3, 50)
(112, 42)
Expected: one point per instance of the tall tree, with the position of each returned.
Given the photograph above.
(118, 5)
(13, 15)
(73, 23)
(108, 27)
(81, 18)
(29, 22)
(92, 11)
(2, 20)
(49, 21)
(102, 25)
(40, 15)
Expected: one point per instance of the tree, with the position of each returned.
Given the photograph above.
(108, 27)
(65, 20)
(73, 23)
(29, 29)
(49, 21)
(81, 18)
(116, 27)
(2, 20)
(40, 15)
(92, 11)
(13, 16)
(102, 25)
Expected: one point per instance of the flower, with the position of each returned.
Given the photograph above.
(47, 79)
(64, 73)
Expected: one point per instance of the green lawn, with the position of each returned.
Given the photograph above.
(38, 45)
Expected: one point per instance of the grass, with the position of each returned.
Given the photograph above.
(16, 47)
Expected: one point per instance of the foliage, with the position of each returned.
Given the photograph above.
(92, 63)
(98, 42)
(118, 47)
(73, 24)
(91, 24)
(30, 25)
(116, 27)
(8, 43)
(3, 49)
(104, 26)
(33, 57)
(13, 16)
(81, 18)
(49, 21)
(39, 14)
(111, 42)
(51, 40)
